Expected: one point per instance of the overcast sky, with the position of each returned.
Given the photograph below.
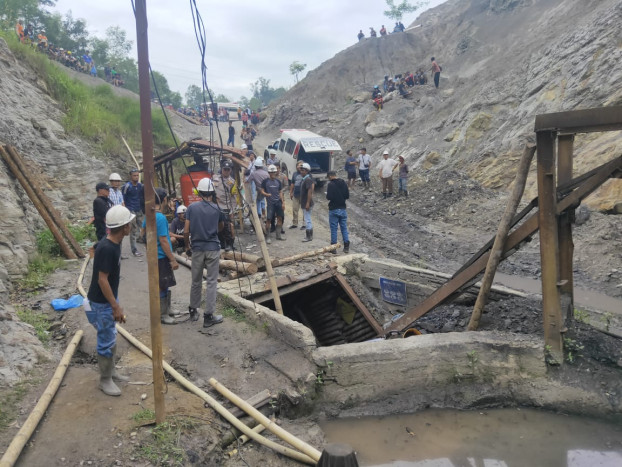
(246, 40)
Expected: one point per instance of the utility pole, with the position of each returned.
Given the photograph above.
(142, 46)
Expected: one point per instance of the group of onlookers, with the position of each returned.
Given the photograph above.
(399, 27)
(83, 63)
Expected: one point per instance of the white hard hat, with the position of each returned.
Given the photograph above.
(181, 209)
(259, 162)
(205, 184)
(272, 168)
(244, 146)
(114, 176)
(385, 153)
(306, 166)
(272, 152)
(118, 216)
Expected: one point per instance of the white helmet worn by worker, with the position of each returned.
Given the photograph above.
(114, 177)
(181, 209)
(271, 168)
(259, 162)
(118, 216)
(306, 166)
(205, 185)
(272, 152)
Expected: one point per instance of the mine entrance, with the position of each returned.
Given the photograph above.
(328, 306)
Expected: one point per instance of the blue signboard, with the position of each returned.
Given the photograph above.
(393, 291)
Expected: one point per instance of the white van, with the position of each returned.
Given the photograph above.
(303, 145)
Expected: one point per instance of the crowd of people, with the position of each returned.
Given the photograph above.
(83, 63)
(399, 27)
(402, 83)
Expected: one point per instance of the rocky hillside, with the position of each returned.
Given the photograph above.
(504, 62)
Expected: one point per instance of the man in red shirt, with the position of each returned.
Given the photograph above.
(436, 71)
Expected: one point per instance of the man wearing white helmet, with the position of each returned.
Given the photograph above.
(271, 189)
(102, 308)
(306, 199)
(272, 159)
(203, 222)
(176, 228)
(115, 195)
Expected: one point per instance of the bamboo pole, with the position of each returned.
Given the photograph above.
(46, 202)
(307, 254)
(217, 406)
(243, 439)
(81, 276)
(67, 251)
(266, 258)
(265, 421)
(23, 435)
(502, 233)
(239, 266)
(133, 157)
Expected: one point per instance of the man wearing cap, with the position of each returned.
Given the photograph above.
(203, 221)
(272, 159)
(271, 189)
(102, 307)
(176, 230)
(115, 195)
(258, 176)
(386, 168)
(223, 186)
(134, 199)
(166, 260)
(101, 204)
(306, 199)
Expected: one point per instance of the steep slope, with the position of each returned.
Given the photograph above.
(504, 62)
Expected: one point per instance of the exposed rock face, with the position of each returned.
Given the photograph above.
(504, 62)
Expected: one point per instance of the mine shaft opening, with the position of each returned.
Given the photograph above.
(327, 309)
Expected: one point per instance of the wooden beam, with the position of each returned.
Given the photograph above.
(581, 121)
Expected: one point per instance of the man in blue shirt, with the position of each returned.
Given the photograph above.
(134, 199)
(166, 260)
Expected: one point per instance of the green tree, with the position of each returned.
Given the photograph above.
(28, 10)
(174, 98)
(119, 45)
(221, 98)
(262, 91)
(296, 68)
(396, 12)
(194, 96)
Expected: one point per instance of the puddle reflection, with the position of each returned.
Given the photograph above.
(491, 438)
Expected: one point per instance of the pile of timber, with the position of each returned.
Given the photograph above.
(68, 244)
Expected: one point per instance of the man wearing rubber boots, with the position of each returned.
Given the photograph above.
(102, 308)
(223, 186)
(272, 190)
(203, 222)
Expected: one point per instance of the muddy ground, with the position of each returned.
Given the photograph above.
(439, 226)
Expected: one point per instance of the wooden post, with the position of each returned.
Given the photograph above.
(306, 254)
(45, 215)
(152, 241)
(549, 250)
(266, 258)
(45, 201)
(504, 227)
(566, 246)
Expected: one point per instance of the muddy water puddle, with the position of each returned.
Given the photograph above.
(491, 438)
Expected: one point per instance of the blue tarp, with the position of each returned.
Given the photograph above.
(60, 304)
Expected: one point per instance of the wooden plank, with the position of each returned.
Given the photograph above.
(581, 121)
(359, 304)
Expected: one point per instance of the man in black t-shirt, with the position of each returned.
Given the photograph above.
(101, 204)
(102, 308)
(272, 189)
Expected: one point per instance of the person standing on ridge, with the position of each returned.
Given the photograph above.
(361, 35)
(102, 307)
(203, 221)
(403, 177)
(337, 193)
(436, 71)
(134, 199)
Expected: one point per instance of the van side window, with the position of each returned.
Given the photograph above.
(289, 147)
(281, 145)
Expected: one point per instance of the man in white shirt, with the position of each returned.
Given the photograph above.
(386, 168)
(364, 161)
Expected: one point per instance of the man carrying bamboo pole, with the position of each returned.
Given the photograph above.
(203, 222)
(102, 308)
